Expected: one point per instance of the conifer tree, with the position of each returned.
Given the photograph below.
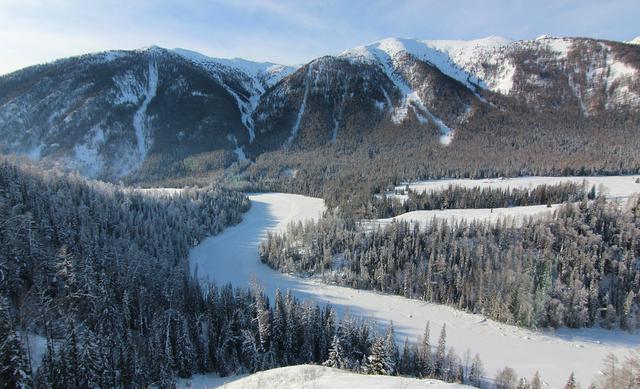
(476, 371)
(336, 355)
(391, 349)
(440, 359)
(536, 382)
(14, 366)
(378, 360)
(571, 383)
(406, 364)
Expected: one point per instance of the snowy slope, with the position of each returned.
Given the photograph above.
(388, 54)
(634, 41)
(314, 377)
(520, 67)
(518, 214)
(233, 257)
(386, 50)
(614, 187)
(264, 73)
(451, 57)
(254, 77)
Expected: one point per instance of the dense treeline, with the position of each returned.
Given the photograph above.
(92, 262)
(100, 272)
(579, 268)
(459, 197)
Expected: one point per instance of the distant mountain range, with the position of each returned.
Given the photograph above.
(115, 114)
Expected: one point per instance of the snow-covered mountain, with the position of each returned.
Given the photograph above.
(254, 77)
(634, 41)
(155, 112)
(597, 75)
(114, 113)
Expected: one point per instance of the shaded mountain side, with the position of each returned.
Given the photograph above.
(423, 107)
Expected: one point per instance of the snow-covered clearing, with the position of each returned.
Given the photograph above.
(615, 186)
(233, 257)
(313, 377)
(493, 215)
(35, 346)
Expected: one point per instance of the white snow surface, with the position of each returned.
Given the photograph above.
(493, 215)
(389, 48)
(449, 56)
(312, 377)
(86, 156)
(634, 41)
(233, 257)
(616, 187)
(303, 105)
(140, 119)
(250, 68)
(385, 54)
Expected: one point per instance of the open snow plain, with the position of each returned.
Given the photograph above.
(233, 257)
(615, 186)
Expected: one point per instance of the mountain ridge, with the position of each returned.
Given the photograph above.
(155, 112)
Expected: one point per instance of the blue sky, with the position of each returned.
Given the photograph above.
(290, 32)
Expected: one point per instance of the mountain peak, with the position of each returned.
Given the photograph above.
(634, 41)
(251, 68)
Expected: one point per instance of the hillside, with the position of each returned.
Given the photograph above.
(411, 108)
(317, 377)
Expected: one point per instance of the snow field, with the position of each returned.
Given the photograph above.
(423, 218)
(313, 377)
(614, 186)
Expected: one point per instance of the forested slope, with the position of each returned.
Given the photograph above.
(579, 268)
(101, 273)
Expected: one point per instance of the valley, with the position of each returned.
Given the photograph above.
(233, 257)
(391, 212)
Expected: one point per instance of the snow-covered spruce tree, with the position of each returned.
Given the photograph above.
(571, 382)
(406, 364)
(476, 371)
(506, 378)
(536, 382)
(378, 360)
(424, 359)
(523, 384)
(14, 366)
(336, 355)
(391, 349)
(440, 359)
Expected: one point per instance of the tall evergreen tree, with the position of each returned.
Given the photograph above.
(378, 360)
(440, 359)
(14, 366)
(571, 383)
(536, 382)
(336, 355)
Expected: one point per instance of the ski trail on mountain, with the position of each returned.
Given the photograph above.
(233, 257)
